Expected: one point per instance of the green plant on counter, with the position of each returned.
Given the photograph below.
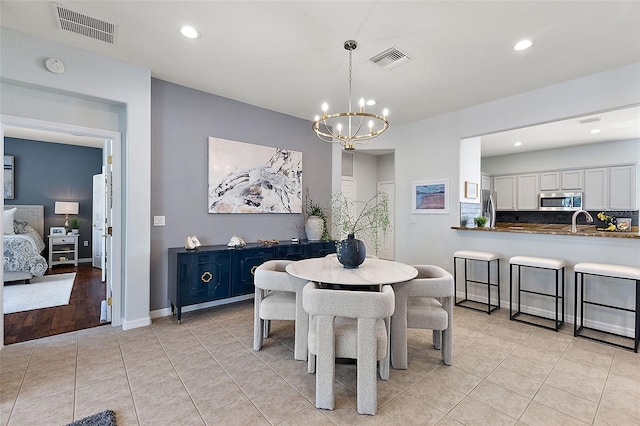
(480, 221)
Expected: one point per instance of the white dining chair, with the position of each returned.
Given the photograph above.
(278, 296)
(424, 302)
(348, 324)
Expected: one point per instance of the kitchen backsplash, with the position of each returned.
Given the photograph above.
(468, 212)
(557, 217)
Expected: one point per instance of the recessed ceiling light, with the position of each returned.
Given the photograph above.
(189, 32)
(523, 44)
(371, 102)
(517, 144)
(594, 131)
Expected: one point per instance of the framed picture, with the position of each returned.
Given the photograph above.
(470, 189)
(249, 178)
(8, 177)
(57, 230)
(430, 197)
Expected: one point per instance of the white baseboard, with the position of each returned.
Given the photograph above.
(165, 312)
(597, 325)
(142, 322)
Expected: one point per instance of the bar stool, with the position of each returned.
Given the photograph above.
(608, 271)
(478, 256)
(538, 263)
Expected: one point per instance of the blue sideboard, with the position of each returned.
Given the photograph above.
(218, 272)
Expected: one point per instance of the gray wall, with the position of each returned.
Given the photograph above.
(182, 119)
(50, 172)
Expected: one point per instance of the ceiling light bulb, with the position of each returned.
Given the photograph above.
(517, 144)
(594, 131)
(523, 44)
(361, 102)
(370, 124)
(385, 112)
(325, 107)
(189, 32)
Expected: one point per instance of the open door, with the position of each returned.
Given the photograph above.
(98, 230)
(107, 240)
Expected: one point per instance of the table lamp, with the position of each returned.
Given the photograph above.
(66, 208)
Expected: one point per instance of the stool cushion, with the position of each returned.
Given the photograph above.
(609, 270)
(476, 255)
(537, 262)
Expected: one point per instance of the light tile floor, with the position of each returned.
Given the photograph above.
(205, 372)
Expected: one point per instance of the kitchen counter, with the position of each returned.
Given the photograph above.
(554, 229)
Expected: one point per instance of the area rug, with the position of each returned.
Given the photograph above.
(43, 292)
(106, 418)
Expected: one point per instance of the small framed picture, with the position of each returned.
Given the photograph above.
(430, 197)
(57, 230)
(624, 224)
(470, 189)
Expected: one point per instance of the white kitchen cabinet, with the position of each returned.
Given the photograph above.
(527, 192)
(485, 182)
(572, 180)
(610, 188)
(622, 187)
(505, 188)
(550, 181)
(596, 189)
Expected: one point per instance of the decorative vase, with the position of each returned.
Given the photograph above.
(314, 228)
(351, 252)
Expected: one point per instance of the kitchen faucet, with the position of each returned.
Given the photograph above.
(574, 229)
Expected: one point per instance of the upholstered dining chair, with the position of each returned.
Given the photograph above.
(278, 296)
(424, 302)
(348, 324)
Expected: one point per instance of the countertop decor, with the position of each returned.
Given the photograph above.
(554, 229)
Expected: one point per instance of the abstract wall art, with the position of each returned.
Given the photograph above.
(430, 197)
(249, 178)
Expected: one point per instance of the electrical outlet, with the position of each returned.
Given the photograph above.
(86, 243)
(158, 221)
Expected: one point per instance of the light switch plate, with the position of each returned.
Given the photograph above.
(158, 221)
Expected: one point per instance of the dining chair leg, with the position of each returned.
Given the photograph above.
(325, 363)
(367, 387)
(258, 324)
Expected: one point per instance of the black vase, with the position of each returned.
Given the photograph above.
(351, 252)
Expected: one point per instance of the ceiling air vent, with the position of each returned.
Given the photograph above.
(390, 58)
(85, 25)
(589, 120)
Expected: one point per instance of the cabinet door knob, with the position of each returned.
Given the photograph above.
(206, 277)
(253, 269)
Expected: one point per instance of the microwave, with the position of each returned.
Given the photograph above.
(560, 201)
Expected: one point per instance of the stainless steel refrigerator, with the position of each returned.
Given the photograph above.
(488, 206)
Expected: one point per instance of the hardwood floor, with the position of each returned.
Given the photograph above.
(83, 310)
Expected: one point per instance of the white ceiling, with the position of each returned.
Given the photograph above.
(288, 56)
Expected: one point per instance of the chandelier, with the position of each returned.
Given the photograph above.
(349, 128)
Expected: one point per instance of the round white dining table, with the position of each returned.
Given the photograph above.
(373, 272)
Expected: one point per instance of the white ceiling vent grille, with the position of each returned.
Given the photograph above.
(390, 58)
(85, 25)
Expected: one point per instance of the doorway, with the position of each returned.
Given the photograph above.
(111, 141)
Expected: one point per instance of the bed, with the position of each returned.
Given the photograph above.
(23, 243)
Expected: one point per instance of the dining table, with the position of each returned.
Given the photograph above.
(372, 274)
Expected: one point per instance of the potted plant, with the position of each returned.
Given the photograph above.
(75, 225)
(480, 221)
(368, 220)
(315, 223)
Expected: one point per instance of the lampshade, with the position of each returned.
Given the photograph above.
(66, 207)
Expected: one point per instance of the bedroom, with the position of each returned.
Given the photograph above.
(43, 174)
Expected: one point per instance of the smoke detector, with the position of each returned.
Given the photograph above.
(390, 58)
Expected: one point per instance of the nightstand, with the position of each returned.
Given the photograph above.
(63, 249)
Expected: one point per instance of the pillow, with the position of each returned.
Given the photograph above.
(8, 221)
(20, 226)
